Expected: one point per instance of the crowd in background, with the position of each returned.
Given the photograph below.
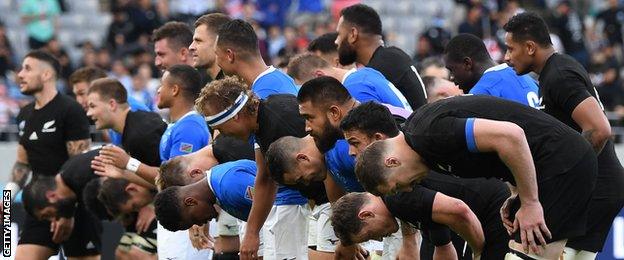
(590, 31)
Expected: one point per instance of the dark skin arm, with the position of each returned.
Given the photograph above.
(593, 122)
(21, 168)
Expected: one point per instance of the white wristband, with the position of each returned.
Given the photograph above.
(133, 165)
(14, 188)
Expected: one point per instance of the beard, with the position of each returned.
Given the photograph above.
(327, 140)
(65, 208)
(31, 91)
(346, 54)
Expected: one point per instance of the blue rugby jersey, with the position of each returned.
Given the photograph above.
(367, 84)
(189, 134)
(503, 82)
(273, 81)
(233, 186)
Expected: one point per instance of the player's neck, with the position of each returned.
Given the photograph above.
(213, 71)
(250, 70)
(120, 119)
(204, 192)
(368, 48)
(179, 109)
(542, 57)
(482, 67)
(43, 97)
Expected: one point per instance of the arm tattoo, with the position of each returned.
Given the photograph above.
(78, 146)
(20, 172)
(589, 136)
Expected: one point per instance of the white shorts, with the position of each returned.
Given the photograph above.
(242, 228)
(227, 225)
(177, 245)
(323, 236)
(286, 232)
(392, 244)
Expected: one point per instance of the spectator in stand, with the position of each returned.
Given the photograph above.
(473, 24)
(145, 18)
(120, 30)
(8, 111)
(612, 19)
(569, 27)
(139, 90)
(610, 87)
(39, 16)
(7, 61)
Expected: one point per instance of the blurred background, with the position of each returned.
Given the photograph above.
(115, 36)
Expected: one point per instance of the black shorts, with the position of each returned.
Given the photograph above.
(85, 239)
(565, 199)
(145, 241)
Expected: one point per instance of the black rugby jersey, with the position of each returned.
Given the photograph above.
(44, 132)
(77, 172)
(141, 136)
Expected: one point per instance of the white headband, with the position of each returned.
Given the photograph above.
(229, 112)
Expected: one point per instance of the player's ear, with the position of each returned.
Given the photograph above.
(230, 55)
(196, 172)
(334, 113)
(353, 35)
(51, 196)
(301, 157)
(318, 73)
(467, 63)
(391, 162)
(378, 136)
(189, 201)
(531, 47)
(176, 90)
(365, 214)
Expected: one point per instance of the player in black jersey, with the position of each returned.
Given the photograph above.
(141, 131)
(52, 128)
(477, 136)
(243, 115)
(567, 93)
(469, 207)
(361, 129)
(359, 40)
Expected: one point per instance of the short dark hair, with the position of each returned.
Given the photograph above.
(466, 45)
(302, 66)
(228, 148)
(430, 61)
(279, 156)
(172, 173)
(92, 203)
(364, 17)
(34, 194)
(167, 205)
(345, 218)
(212, 21)
(325, 43)
(528, 26)
(113, 194)
(48, 58)
(323, 90)
(187, 78)
(369, 167)
(109, 88)
(370, 118)
(238, 35)
(86, 74)
(178, 34)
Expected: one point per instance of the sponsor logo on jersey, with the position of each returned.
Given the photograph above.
(249, 193)
(90, 245)
(332, 241)
(48, 127)
(186, 148)
(446, 168)
(33, 136)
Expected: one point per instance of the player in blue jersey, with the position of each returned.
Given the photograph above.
(187, 132)
(474, 71)
(238, 54)
(323, 102)
(364, 84)
(80, 82)
(232, 183)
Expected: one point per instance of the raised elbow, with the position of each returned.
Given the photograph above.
(461, 211)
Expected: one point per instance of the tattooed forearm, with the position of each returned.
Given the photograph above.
(78, 146)
(596, 143)
(20, 172)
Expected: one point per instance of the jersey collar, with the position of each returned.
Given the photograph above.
(267, 71)
(498, 67)
(347, 75)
